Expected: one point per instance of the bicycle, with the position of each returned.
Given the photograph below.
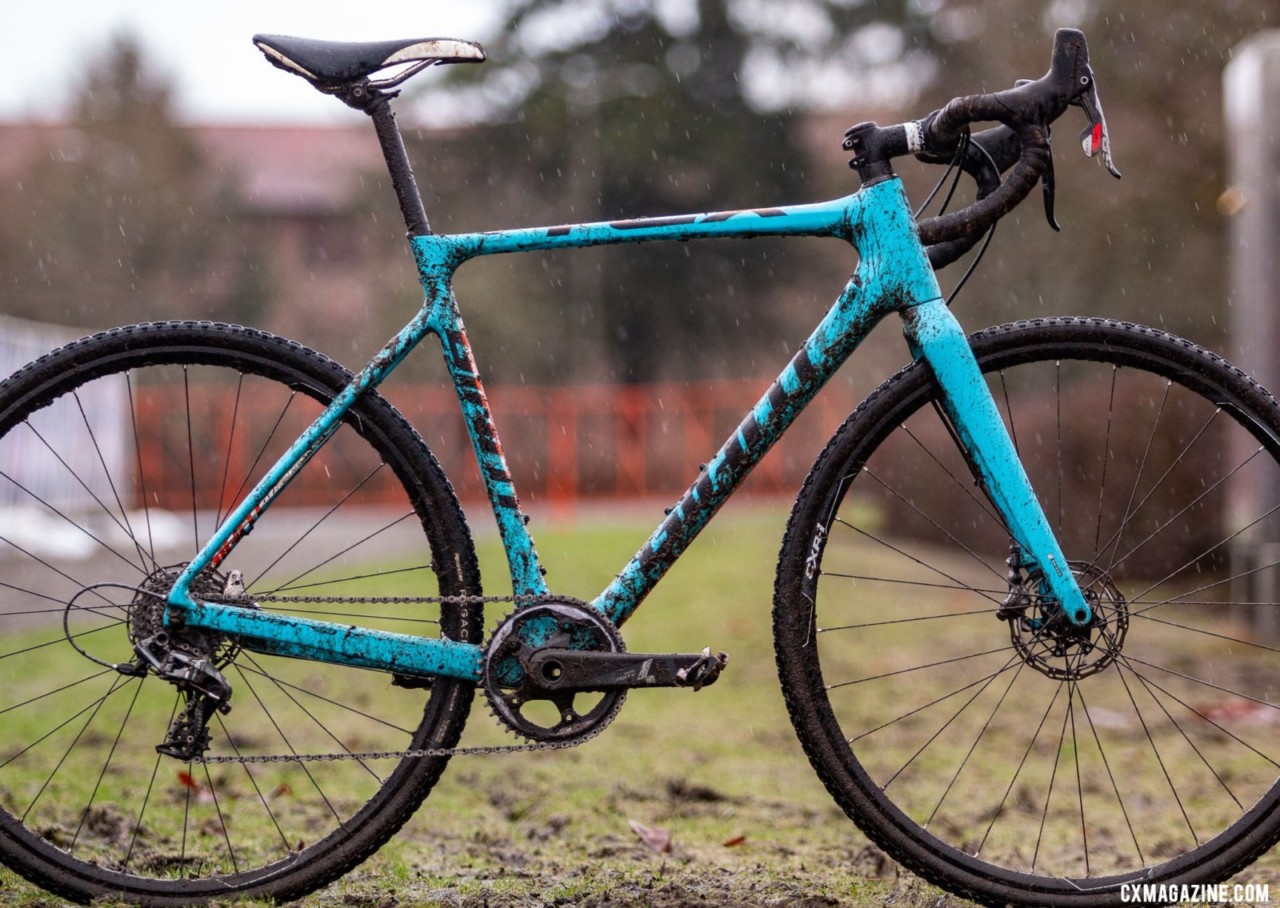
(978, 673)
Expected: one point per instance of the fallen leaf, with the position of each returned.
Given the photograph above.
(1238, 712)
(736, 840)
(655, 837)
(203, 794)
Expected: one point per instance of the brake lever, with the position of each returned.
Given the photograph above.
(1047, 183)
(1095, 139)
(1047, 187)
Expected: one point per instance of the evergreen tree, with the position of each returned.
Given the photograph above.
(624, 108)
(119, 221)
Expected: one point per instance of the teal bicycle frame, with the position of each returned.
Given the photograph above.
(893, 275)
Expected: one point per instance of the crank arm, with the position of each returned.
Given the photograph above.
(556, 669)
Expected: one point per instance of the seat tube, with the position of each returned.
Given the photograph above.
(936, 337)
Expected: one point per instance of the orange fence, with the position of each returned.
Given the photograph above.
(564, 444)
(618, 441)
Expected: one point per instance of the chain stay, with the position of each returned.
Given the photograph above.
(421, 753)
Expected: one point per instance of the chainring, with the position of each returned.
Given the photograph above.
(517, 699)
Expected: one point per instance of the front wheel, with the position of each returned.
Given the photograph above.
(120, 455)
(1013, 758)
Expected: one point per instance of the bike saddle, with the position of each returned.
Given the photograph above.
(331, 64)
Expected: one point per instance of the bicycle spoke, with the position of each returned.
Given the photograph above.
(1156, 752)
(904, 671)
(222, 821)
(1157, 484)
(285, 738)
(124, 528)
(967, 487)
(1168, 523)
(936, 734)
(244, 483)
(866, 624)
(349, 579)
(54, 642)
(1209, 551)
(310, 715)
(911, 504)
(56, 690)
(106, 763)
(1008, 414)
(919, 583)
(226, 462)
(138, 568)
(1075, 752)
(290, 584)
(257, 789)
(1114, 541)
(976, 741)
(116, 684)
(146, 798)
(941, 573)
(58, 608)
(1111, 775)
(142, 476)
(1129, 657)
(919, 709)
(258, 670)
(1191, 709)
(111, 483)
(1106, 460)
(1017, 772)
(1207, 633)
(1053, 777)
(191, 455)
(343, 500)
(1174, 722)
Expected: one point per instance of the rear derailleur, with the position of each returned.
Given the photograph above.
(202, 686)
(557, 671)
(188, 658)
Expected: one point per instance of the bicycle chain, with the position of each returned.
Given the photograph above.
(419, 753)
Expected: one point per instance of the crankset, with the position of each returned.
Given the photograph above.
(558, 670)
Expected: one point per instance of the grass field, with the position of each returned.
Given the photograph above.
(720, 770)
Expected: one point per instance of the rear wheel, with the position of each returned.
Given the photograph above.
(1014, 758)
(119, 456)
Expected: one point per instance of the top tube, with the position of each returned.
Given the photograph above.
(835, 218)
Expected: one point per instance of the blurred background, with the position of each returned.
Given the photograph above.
(153, 166)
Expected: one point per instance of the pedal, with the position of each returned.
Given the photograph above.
(703, 672)
(556, 669)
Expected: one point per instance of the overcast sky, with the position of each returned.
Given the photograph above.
(207, 49)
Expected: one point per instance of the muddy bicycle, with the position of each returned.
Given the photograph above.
(1012, 607)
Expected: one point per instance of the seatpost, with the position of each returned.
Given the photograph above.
(377, 105)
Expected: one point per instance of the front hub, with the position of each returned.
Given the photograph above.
(1049, 642)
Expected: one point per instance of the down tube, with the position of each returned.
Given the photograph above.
(858, 310)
